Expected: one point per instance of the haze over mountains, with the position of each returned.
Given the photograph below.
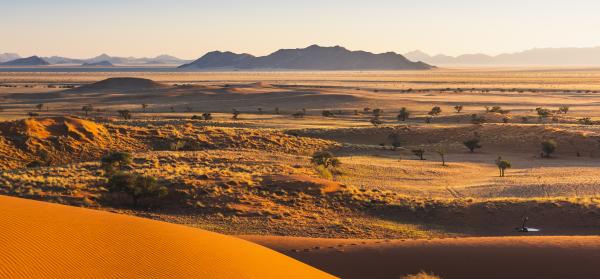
(311, 58)
(534, 57)
(333, 58)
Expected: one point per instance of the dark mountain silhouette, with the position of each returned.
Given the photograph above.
(539, 56)
(5, 57)
(311, 58)
(29, 61)
(98, 64)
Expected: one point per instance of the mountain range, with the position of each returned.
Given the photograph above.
(589, 56)
(59, 60)
(29, 61)
(311, 58)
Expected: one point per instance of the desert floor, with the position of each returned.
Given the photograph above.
(253, 175)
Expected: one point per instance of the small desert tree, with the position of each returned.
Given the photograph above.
(87, 109)
(376, 121)
(327, 113)
(472, 144)
(563, 109)
(377, 112)
(126, 114)
(325, 159)
(502, 165)
(235, 114)
(419, 152)
(144, 107)
(115, 161)
(39, 107)
(442, 151)
(458, 108)
(395, 140)
(403, 114)
(276, 110)
(548, 147)
(207, 116)
(136, 186)
(435, 111)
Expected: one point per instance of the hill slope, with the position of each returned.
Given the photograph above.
(311, 58)
(55, 241)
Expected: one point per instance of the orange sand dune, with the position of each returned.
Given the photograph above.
(43, 240)
(494, 257)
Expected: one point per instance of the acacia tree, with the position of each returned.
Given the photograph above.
(458, 108)
(472, 144)
(236, 114)
(435, 111)
(403, 114)
(395, 140)
(325, 159)
(419, 153)
(502, 165)
(125, 113)
(442, 151)
(39, 107)
(87, 108)
(548, 147)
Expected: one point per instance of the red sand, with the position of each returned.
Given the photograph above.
(494, 257)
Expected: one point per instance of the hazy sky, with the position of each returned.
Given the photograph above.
(188, 29)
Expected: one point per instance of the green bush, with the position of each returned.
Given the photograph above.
(325, 159)
(115, 161)
(136, 186)
(548, 147)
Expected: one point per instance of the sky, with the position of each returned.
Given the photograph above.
(188, 29)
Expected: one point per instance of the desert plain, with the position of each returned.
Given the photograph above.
(241, 153)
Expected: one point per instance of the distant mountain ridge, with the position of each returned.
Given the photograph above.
(98, 64)
(5, 57)
(29, 61)
(589, 56)
(161, 59)
(311, 58)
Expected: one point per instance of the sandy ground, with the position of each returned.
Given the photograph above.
(55, 241)
(494, 257)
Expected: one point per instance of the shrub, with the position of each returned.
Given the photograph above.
(115, 161)
(327, 113)
(35, 164)
(376, 121)
(126, 114)
(586, 121)
(324, 172)
(543, 113)
(502, 165)
(435, 111)
(419, 153)
(395, 140)
(377, 112)
(563, 109)
(403, 114)
(136, 186)
(325, 158)
(458, 108)
(548, 147)
(236, 114)
(472, 144)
